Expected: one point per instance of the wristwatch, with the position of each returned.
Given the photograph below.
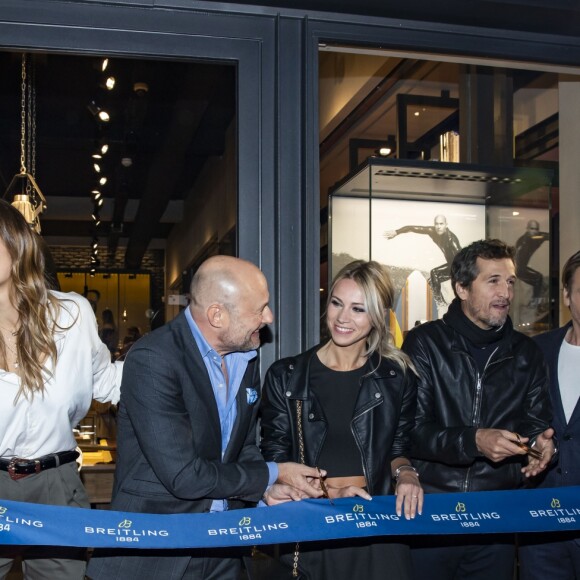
(405, 466)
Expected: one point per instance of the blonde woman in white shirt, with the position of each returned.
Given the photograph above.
(52, 364)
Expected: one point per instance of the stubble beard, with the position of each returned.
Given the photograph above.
(245, 345)
(497, 321)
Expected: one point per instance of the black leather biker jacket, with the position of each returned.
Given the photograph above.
(381, 423)
(454, 400)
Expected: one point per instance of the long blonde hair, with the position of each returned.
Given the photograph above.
(378, 290)
(37, 309)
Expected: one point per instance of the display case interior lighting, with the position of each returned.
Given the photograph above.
(427, 180)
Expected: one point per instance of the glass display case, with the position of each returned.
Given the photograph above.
(414, 217)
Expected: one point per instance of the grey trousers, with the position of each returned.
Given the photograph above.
(59, 486)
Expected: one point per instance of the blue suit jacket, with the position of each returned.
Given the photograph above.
(566, 470)
(169, 445)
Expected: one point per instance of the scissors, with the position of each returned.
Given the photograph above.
(529, 450)
(323, 487)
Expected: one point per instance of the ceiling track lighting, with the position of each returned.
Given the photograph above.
(109, 83)
(101, 116)
(98, 112)
(100, 150)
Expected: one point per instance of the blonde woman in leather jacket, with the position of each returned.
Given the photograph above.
(352, 401)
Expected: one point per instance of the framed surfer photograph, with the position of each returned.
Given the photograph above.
(415, 240)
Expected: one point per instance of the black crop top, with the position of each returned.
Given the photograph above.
(336, 392)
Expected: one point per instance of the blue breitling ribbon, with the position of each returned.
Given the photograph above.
(447, 513)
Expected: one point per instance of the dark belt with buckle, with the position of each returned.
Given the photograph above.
(18, 467)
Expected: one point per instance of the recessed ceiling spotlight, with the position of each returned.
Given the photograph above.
(102, 181)
(110, 83)
(417, 113)
(97, 167)
(104, 148)
(104, 64)
(104, 116)
(140, 88)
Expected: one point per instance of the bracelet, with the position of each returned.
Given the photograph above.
(405, 466)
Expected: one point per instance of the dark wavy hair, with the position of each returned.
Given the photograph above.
(569, 269)
(464, 268)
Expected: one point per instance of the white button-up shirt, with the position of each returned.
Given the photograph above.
(43, 425)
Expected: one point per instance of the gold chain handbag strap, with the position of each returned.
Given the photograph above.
(300, 431)
(303, 461)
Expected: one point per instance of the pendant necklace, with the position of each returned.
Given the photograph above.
(12, 348)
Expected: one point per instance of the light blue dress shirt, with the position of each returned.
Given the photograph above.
(225, 394)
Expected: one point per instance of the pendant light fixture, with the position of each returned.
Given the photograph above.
(23, 189)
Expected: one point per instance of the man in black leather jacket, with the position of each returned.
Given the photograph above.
(482, 389)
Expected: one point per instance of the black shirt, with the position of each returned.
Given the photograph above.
(337, 391)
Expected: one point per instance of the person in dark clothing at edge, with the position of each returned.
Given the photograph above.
(447, 242)
(526, 245)
(557, 555)
(482, 392)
